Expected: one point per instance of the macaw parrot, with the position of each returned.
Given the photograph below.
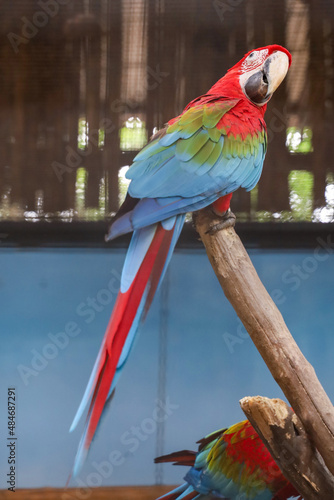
(230, 463)
(216, 145)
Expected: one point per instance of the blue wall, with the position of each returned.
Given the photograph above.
(211, 364)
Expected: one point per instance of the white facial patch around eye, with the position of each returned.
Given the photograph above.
(254, 59)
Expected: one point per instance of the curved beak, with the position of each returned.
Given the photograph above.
(261, 85)
(276, 68)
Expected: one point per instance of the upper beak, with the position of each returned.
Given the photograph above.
(261, 85)
(276, 67)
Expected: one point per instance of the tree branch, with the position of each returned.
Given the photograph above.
(283, 434)
(266, 327)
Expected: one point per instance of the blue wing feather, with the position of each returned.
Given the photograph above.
(169, 173)
(151, 210)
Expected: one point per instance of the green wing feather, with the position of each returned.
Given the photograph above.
(193, 156)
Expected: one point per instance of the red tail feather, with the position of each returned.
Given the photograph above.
(120, 323)
(184, 457)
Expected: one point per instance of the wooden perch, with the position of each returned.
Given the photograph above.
(266, 327)
(284, 436)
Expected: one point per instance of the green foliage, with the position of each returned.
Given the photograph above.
(301, 194)
(101, 137)
(263, 216)
(133, 136)
(80, 188)
(83, 212)
(82, 133)
(301, 200)
(102, 197)
(254, 195)
(299, 141)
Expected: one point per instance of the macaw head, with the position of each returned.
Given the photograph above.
(258, 74)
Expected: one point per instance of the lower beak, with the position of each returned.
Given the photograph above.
(261, 85)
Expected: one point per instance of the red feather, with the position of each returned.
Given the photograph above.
(120, 323)
(184, 457)
(222, 204)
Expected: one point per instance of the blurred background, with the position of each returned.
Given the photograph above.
(83, 85)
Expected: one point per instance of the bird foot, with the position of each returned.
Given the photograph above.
(227, 219)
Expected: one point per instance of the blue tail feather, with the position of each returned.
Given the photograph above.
(139, 245)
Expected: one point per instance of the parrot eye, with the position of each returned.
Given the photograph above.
(254, 59)
(251, 58)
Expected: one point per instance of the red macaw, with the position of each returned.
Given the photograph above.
(230, 463)
(215, 146)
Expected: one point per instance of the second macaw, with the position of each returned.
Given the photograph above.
(215, 146)
(233, 464)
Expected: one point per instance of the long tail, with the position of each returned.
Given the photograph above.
(146, 262)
